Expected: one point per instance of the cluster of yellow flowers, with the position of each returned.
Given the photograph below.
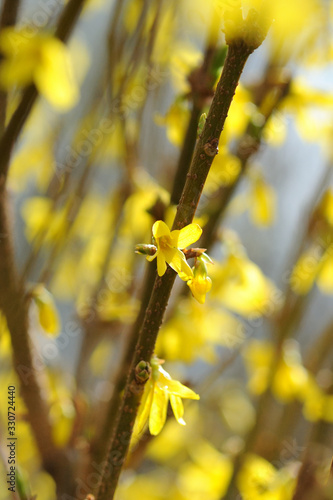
(169, 250)
(159, 389)
(40, 59)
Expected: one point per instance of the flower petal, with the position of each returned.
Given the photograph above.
(188, 235)
(158, 411)
(176, 259)
(177, 408)
(160, 229)
(161, 265)
(177, 389)
(145, 407)
(199, 287)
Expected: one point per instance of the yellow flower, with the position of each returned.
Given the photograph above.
(169, 244)
(200, 284)
(251, 28)
(158, 390)
(41, 59)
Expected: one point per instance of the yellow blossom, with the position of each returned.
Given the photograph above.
(175, 121)
(260, 201)
(207, 474)
(41, 59)
(194, 332)
(259, 479)
(169, 244)
(47, 312)
(243, 288)
(326, 206)
(158, 390)
(224, 171)
(200, 284)
(290, 380)
(313, 265)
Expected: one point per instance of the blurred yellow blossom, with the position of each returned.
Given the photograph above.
(224, 170)
(62, 410)
(184, 59)
(236, 409)
(41, 59)
(275, 130)
(194, 332)
(248, 21)
(40, 217)
(47, 312)
(260, 201)
(263, 199)
(326, 206)
(137, 217)
(290, 380)
(305, 271)
(34, 160)
(241, 286)
(175, 120)
(158, 390)
(5, 342)
(207, 474)
(258, 357)
(314, 265)
(258, 479)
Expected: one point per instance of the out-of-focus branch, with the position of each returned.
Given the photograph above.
(14, 305)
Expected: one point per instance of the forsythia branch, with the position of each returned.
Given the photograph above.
(203, 157)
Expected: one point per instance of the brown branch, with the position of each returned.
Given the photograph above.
(203, 157)
(248, 146)
(15, 307)
(99, 445)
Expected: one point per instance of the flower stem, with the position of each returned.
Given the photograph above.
(204, 154)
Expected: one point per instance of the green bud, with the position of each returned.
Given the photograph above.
(142, 372)
(201, 123)
(144, 249)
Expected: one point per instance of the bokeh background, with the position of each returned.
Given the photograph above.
(92, 171)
